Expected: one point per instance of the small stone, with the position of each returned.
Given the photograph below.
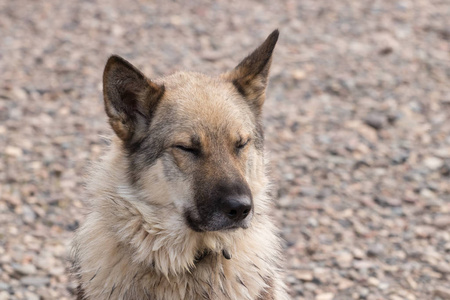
(424, 231)
(31, 296)
(373, 281)
(35, 280)
(27, 269)
(291, 279)
(431, 274)
(19, 93)
(410, 197)
(364, 292)
(387, 201)
(445, 170)
(323, 274)
(443, 268)
(4, 286)
(442, 292)
(442, 152)
(400, 158)
(344, 260)
(427, 193)
(345, 284)
(304, 275)
(375, 250)
(363, 264)
(368, 133)
(29, 216)
(212, 55)
(376, 120)
(13, 151)
(442, 221)
(310, 286)
(4, 295)
(412, 283)
(358, 253)
(313, 222)
(299, 74)
(433, 163)
(383, 286)
(57, 271)
(325, 296)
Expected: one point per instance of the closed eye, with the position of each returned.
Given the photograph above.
(192, 150)
(241, 145)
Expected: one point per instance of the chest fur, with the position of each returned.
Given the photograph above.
(213, 277)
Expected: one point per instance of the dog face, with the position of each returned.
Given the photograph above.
(195, 138)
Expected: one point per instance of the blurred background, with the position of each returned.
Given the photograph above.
(357, 126)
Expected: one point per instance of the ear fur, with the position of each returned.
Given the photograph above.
(250, 76)
(130, 98)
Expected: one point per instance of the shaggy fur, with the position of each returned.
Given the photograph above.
(154, 230)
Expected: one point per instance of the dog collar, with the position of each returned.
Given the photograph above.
(201, 255)
(226, 254)
(205, 252)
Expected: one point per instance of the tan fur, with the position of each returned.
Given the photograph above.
(135, 244)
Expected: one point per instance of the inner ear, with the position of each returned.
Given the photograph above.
(251, 75)
(130, 98)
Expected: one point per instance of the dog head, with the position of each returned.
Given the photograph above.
(193, 142)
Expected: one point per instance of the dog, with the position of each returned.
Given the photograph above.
(178, 207)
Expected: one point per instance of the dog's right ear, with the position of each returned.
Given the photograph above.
(130, 98)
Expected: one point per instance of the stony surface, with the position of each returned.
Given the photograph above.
(357, 123)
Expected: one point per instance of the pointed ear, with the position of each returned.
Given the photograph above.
(130, 98)
(250, 76)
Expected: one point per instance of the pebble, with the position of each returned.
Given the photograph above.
(442, 292)
(344, 260)
(29, 216)
(27, 269)
(442, 267)
(35, 280)
(373, 281)
(4, 295)
(13, 151)
(31, 296)
(433, 163)
(424, 231)
(358, 253)
(299, 74)
(442, 221)
(345, 284)
(376, 120)
(325, 296)
(387, 201)
(364, 292)
(304, 275)
(375, 250)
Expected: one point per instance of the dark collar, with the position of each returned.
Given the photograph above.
(205, 252)
(201, 255)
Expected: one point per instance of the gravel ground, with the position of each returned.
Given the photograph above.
(357, 123)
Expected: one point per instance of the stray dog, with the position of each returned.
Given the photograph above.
(178, 207)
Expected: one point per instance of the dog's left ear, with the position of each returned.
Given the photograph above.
(250, 76)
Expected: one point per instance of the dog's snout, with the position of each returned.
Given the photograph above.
(225, 205)
(237, 208)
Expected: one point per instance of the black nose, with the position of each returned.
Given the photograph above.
(237, 208)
